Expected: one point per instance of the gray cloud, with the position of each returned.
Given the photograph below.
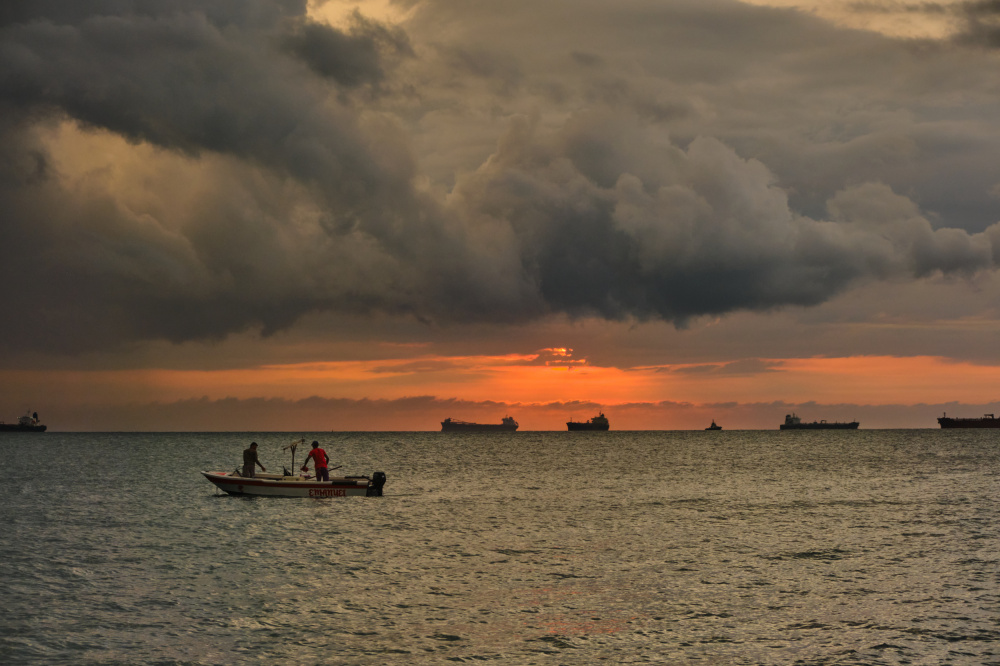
(186, 79)
(748, 366)
(981, 27)
(616, 221)
(222, 13)
(351, 59)
(179, 80)
(628, 160)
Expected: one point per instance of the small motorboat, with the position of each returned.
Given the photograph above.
(292, 485)
(296, 485)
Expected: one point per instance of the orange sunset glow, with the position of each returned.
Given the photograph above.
(532, 383)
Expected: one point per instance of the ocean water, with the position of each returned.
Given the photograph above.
(752, 547)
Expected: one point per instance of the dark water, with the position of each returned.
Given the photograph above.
(867, 547)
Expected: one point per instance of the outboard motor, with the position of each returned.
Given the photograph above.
(375, 488)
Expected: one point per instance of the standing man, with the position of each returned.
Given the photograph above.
(320, 461)
(250, 459)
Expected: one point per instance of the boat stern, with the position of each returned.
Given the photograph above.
(376, 484)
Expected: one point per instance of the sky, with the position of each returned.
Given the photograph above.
(350, 215)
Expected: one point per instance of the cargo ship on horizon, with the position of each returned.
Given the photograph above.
(599, 423)
(27, 423)
(793, 422)
(507, 424)
(986, 421)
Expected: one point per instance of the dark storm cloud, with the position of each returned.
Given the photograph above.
(627, 160)
(193, 79)
(502, 68)
(222, 13)
(351, 59)
(615, 221)
(982, 23)
(186, 79)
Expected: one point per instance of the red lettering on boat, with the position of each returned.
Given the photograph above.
(327, 492)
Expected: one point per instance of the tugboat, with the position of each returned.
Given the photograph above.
(507, 424)
(599, 422)
(714, 426)
(24, 424)
(793, 422)
(987, 421)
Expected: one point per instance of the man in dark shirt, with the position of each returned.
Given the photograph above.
(250, 459)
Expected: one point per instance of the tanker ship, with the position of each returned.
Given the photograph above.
(986, 421)
(507, 424)
(27, 423)
(599, 422)
(793, 422)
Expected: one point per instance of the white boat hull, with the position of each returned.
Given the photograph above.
(274, 485)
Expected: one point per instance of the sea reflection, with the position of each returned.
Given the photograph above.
(733, 547)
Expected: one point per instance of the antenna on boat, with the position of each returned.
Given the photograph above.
(292, 446)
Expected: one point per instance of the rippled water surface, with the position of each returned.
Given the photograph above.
(866, 547)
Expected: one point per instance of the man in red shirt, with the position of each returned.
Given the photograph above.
(320, 461)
